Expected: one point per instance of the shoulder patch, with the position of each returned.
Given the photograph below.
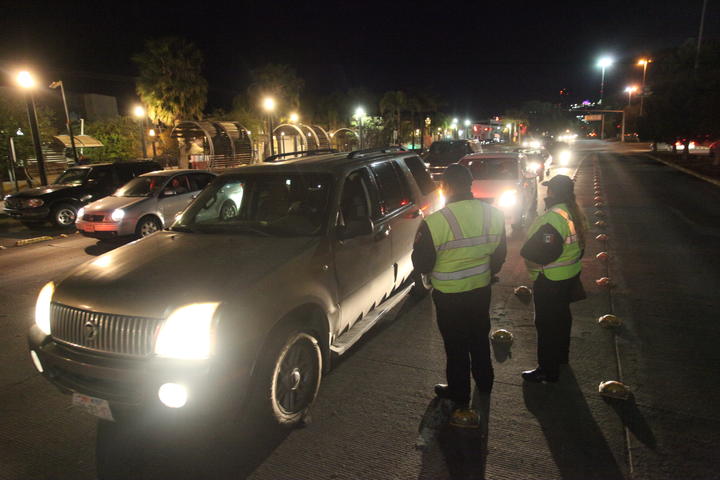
(548, 238)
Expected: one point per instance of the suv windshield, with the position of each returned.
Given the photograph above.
(73, 176)
(141, 187)
(445, 153)
(267, 204)
(494, 169)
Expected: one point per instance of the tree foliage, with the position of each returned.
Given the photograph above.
(120, 137)
(171, 85)
(278, 81)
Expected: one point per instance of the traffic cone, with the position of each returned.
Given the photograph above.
(609, 321)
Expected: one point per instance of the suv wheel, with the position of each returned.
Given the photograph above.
(293, 378)
(228, 211)
(146, 226)
(422, 285)
(63, 215)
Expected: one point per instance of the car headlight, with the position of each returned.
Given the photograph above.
(533, 167)
(564, 157)
(188, 332)
(42, 307)
(81, 212)
(33, 203)
(508, 198)
(117, 215)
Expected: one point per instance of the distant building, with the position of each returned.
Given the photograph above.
(92, 106)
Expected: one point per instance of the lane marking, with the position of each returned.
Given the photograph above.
(686, 170)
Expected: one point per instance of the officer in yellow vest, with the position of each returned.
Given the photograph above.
(461, 247)
(552, 253)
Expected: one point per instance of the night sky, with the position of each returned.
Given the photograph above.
(481, 57)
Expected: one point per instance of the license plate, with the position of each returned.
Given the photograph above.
(95, 406)
(89, 228)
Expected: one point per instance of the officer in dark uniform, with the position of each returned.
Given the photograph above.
(552, 253)
(462, 247)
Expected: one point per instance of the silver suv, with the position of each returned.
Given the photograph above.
(269, 270)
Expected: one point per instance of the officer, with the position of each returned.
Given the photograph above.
(552, 253)
(461, 247)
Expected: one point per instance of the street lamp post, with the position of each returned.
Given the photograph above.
(139, 113)
(27, 82)
(467, 128)
(68, 125)
(603, 63)
(152, 134)
(269, 106)
(644, 63)
(360, 114)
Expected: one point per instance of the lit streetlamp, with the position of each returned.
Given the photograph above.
(630, 90)
(57, 84)
(360, 115)
(603, 63)
(26, 81)
(643, 62)
(140, 114)
(467, 128)
(294, 117)
(268, 105)
(153, 134)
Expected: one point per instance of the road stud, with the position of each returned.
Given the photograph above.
(597, 199)
(522, 291)
(609, 321)
(602, 238)
(599, 204)
(599, 213)
(614, 389)
(502, 337)
(465, 418)
(602, 256)
(603, 282)
(600, 223)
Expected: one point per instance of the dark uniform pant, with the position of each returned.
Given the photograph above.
(464, 323)
(553, 321)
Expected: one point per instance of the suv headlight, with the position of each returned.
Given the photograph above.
(564, 157)
(508, 198)
(42, 307)
(117, 215)
(33, 203)
(188, 332)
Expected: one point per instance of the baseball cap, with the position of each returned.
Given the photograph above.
(561, 184)
(457, 176)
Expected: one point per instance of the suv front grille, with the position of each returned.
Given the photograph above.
(103, 332)
(93, 218)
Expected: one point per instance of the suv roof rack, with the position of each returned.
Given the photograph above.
(303, 153)
(367, 151)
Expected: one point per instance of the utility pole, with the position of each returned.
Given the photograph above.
(700, 34)
(68, 125)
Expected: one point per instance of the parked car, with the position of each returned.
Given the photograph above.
(240, 303)
(505, 181)
(444, 152)
(144, 205)
(59, 203)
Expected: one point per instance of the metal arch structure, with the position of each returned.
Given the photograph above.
(189, 130)
(225, 144)
(295, 129)
(344, 130)
(322, 136)
(310, 134)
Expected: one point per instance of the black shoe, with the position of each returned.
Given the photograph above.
(539, 375)
(442, 390)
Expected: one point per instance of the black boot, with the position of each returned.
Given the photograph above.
(539, 375)
(442, 390)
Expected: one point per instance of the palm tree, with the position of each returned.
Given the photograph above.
(392, 104)
(170, 84)
(278, 81)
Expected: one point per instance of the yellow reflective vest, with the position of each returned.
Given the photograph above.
(568, 264)
(465, 234)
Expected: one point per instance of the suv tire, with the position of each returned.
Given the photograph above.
(147, 225)
(289, 377)
(63, 215)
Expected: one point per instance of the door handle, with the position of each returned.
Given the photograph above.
(383, 232)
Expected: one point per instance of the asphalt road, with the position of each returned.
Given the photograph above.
(376, 417)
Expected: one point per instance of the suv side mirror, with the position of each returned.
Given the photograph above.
(356, 228)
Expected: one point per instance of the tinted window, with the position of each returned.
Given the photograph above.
(103, 176)
(179, 184)
(73, 176)
(125, 173)
(141, 187)
(420, 174)
(393, 189)
(199, 180)
(494, 169)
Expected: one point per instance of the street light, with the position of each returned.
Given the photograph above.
(360, 114)
(467, 127)
(26, 81)
(630, 90)
(57, 84)
(643, 62)
(603, 63)
(140, 114)
(294, 117)
(268, 104)
(152, 134)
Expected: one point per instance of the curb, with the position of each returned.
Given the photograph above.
(29, 241)
(686, 170)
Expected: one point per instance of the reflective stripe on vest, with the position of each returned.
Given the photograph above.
(461, 242)
(469, 272)
(572, 238)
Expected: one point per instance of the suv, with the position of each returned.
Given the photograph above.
(444, 152)
(60, 201)
(267, 272)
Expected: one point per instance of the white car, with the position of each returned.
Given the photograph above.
(142, 206)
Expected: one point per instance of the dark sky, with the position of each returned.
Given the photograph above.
(481, 57)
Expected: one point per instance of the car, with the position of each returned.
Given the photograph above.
(244, 305)
(505, 181)
(538, 160)
(142, 206)
(59, 202)
(714, 149)
(444, 152)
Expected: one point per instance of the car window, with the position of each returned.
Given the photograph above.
(73, 176)
(494, 169)
(356, 203)
(421, 175)
(393, 187)
(199, 180)
(179, 183)
(141, 186)
(102, 176)
(125, 173)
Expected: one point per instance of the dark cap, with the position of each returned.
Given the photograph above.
(458, 177)
(561, 185)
